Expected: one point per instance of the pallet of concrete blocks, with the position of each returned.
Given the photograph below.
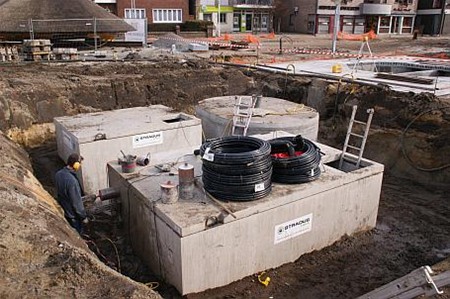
(36, 49)
(8, 53)
(65, 53)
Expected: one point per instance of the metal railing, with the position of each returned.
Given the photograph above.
(253, 2)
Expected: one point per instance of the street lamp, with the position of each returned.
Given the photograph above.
(218, 18)
(337, 14)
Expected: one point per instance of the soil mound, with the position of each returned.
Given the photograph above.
(40, 254)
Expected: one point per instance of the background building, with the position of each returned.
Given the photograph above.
(42, 19)
(253, 16)
(357, 16)
(109, 5)
(433, 17)
(156, 11)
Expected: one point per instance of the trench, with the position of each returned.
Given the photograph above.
(413, 214)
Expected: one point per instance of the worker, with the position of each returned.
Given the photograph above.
(70, 192)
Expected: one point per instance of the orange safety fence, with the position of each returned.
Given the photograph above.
(249, 38)
(271, 35)
(357, 37)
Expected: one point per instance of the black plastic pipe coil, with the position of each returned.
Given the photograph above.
(295, 169)
(237, 168)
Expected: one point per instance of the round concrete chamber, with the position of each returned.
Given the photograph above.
(270, 114)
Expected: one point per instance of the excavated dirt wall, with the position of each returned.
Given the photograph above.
(40, 255)
(31, 96)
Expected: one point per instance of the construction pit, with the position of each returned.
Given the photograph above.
(409, 134)
(401, 73)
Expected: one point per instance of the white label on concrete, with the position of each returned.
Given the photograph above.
(293, 228)
(259, 187)
(147, 139)
(67, 141)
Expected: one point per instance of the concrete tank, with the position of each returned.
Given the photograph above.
(272, 114)
(101, 136)
(199, 243)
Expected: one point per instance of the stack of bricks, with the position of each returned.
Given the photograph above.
(36, 50)
(8, 53)
(65, 53)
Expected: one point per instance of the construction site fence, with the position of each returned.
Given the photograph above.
(90, 33)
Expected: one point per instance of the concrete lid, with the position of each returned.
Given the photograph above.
(125, 122)
(270, 111)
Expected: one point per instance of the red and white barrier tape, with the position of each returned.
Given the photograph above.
(302, 51)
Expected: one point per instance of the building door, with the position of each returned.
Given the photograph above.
(311, 24)
(264, 23)
(371, 24)
(256, 25)
(236, 22)
(395, 25)
(248, 22)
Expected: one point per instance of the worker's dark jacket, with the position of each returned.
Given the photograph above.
(69, 194)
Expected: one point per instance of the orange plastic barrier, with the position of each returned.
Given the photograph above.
(269, 36)
(226, 37)
(357, 37)
(251, 39)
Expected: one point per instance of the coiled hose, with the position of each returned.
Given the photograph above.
(237, 168)
(295, 160)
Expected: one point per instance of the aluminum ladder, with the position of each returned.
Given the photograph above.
(363, 138)
(422, 281)
(361, 55)
(242, 115)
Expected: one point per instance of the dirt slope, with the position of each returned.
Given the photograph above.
(40, 255)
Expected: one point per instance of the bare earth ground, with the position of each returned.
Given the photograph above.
(413, 223)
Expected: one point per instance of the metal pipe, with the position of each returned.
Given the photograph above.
(337, 14)
(293, 67)
(441, 29)
(108, 193)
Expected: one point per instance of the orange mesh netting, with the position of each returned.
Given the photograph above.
(358, 37)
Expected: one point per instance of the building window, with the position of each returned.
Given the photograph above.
(167, 16)
(407, 22)
(135, 13)
(385, 21)
(342, 8)
(223, 18)
(207, 17)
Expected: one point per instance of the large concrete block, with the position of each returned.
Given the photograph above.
(100, 137)
(182, 243)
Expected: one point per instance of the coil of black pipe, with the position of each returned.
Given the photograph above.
(299, 162)
(237, 168)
